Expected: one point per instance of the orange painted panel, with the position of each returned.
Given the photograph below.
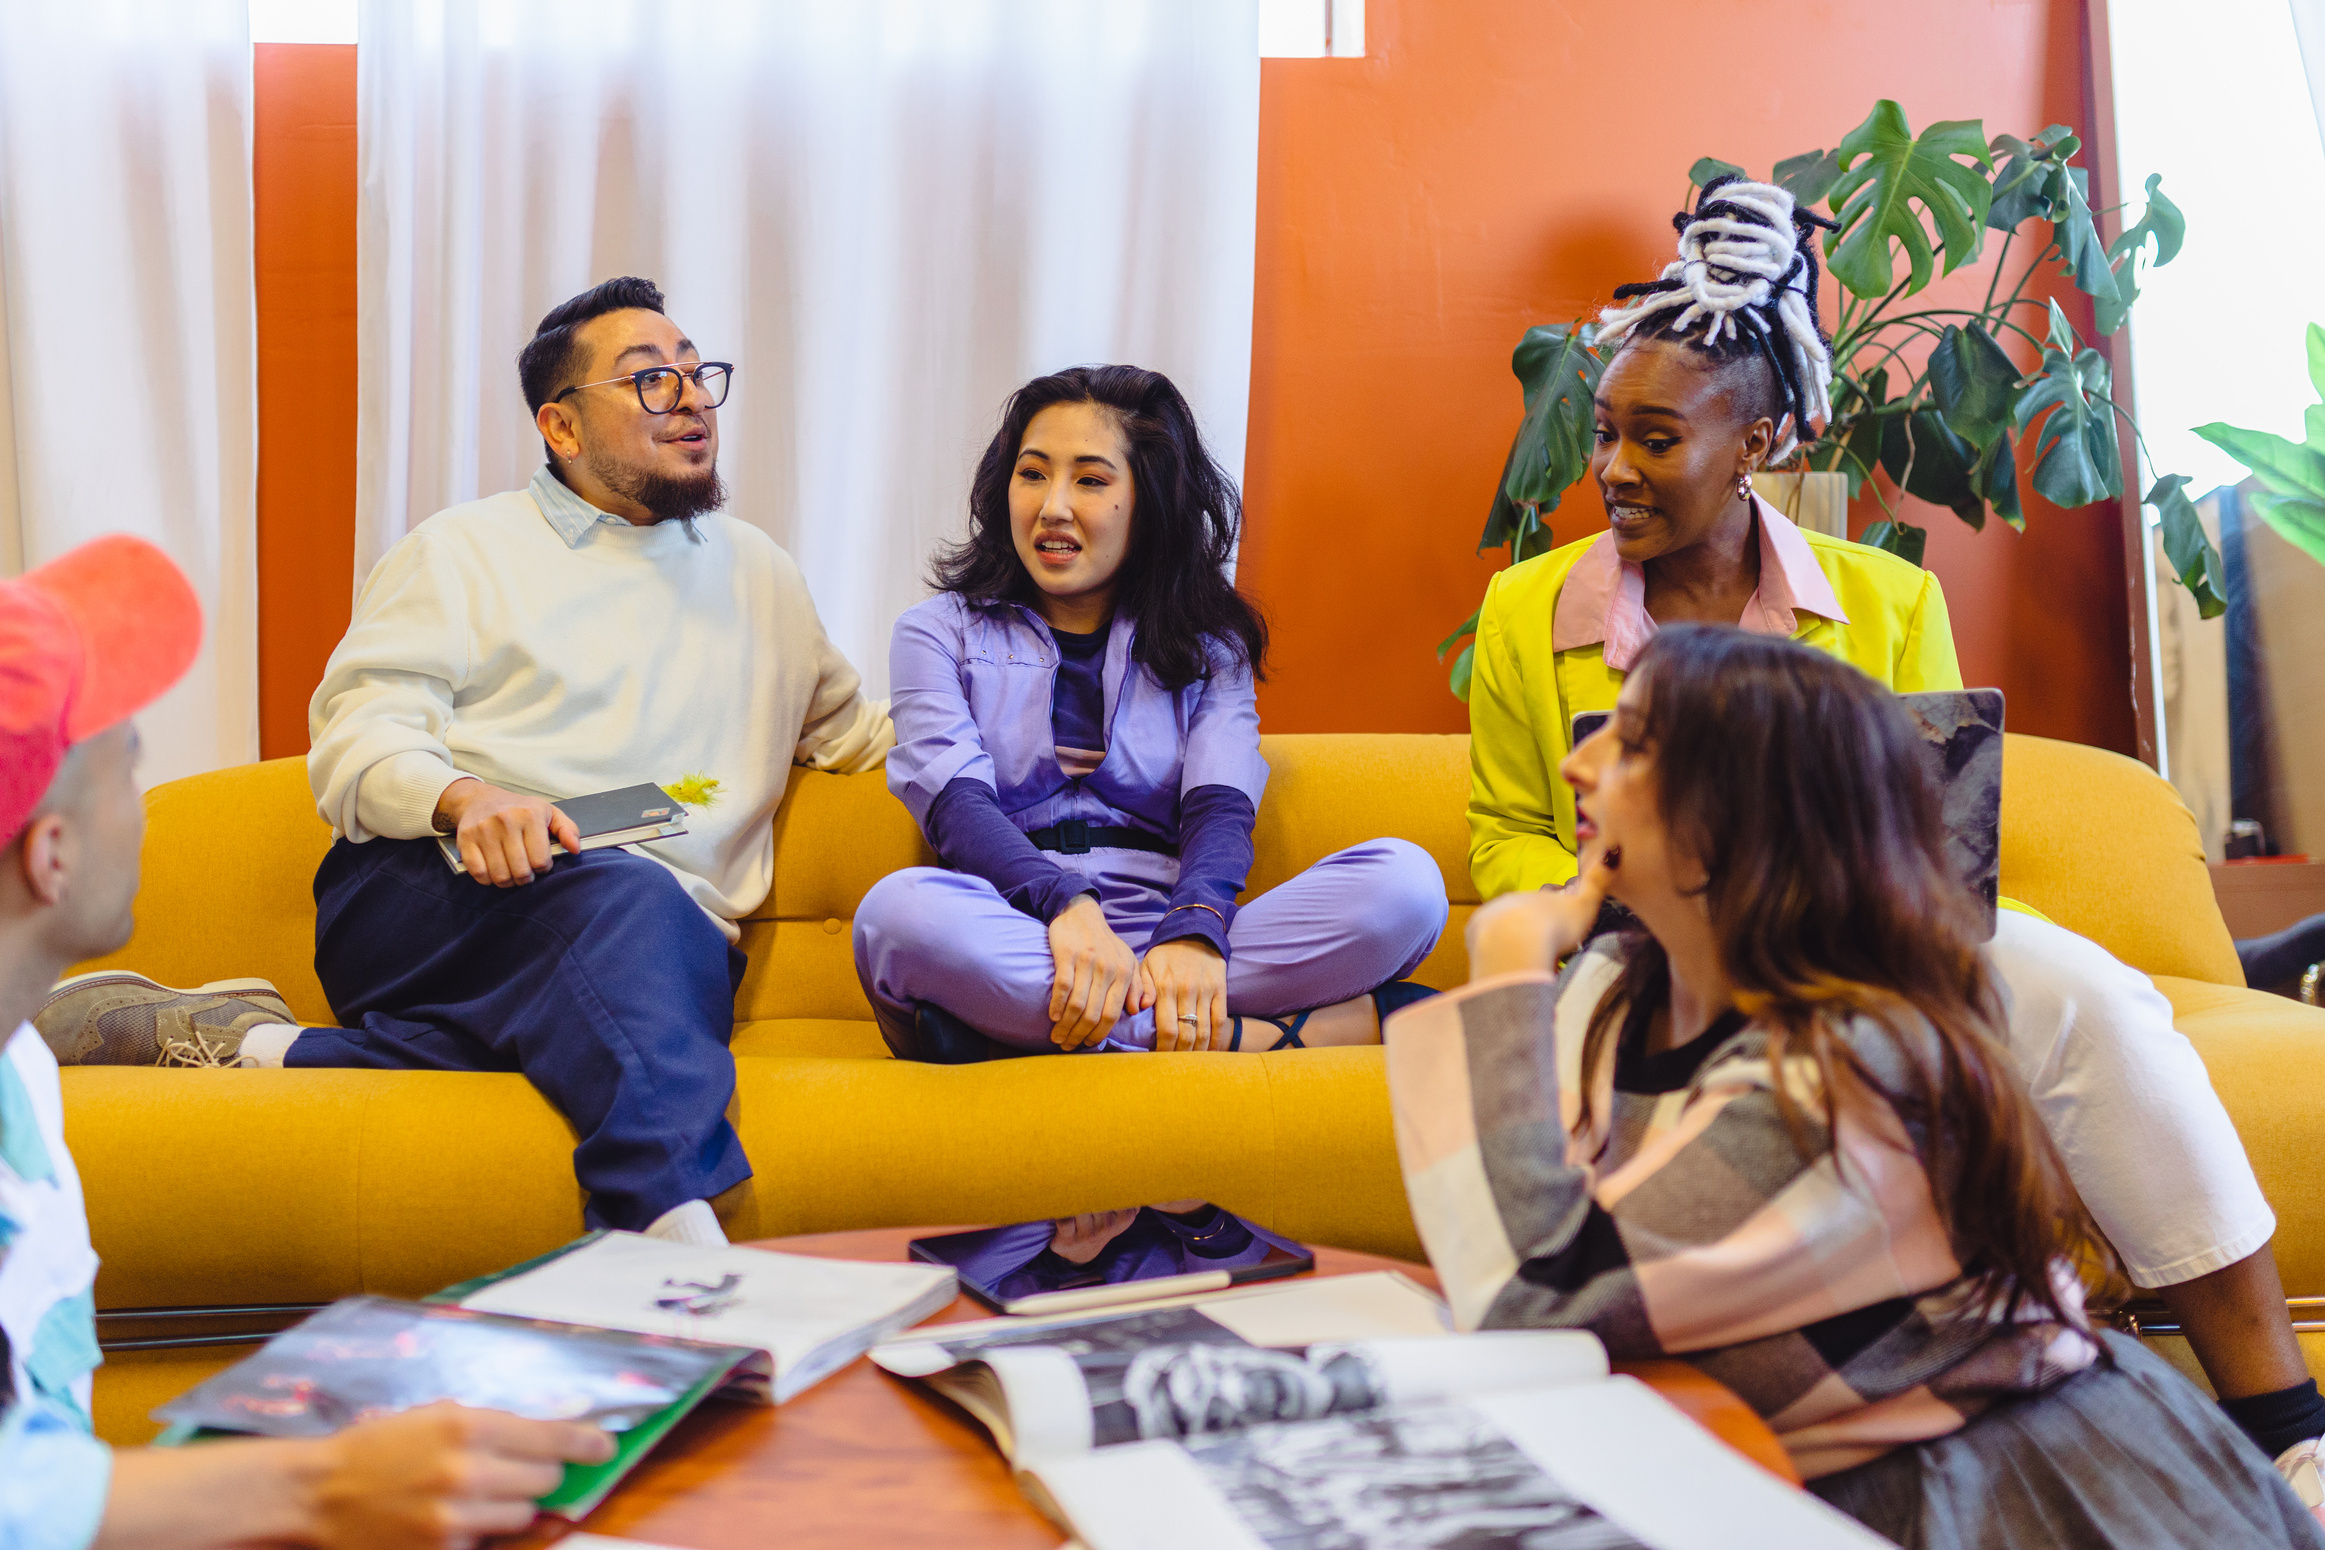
(303, 172)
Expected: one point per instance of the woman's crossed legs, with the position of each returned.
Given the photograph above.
(1356, 919)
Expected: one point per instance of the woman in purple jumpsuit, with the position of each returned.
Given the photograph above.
(1076, 734)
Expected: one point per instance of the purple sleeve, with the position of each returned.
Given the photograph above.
(971, 834)
(937, 744)
(1214, 859)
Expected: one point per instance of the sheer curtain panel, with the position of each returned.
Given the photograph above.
(128, 396)
(887, 213)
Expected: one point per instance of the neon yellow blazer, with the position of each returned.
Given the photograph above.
(1524, 693)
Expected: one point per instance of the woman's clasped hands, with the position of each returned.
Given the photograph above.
(1100, 980)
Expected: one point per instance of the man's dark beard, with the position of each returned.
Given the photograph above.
(670, 499)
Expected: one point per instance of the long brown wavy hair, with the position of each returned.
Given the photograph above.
(1800, 786)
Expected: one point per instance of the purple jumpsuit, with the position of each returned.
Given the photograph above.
(972, 687)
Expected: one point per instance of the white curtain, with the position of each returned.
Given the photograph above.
(887, 213)
(2309, 28)
(128, 396)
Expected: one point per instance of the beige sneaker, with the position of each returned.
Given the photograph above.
(116, 1019)
(2300, 1465)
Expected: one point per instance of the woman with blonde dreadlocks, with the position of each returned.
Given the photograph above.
(1718, 369)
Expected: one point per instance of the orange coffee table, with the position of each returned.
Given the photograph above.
(866, 1459)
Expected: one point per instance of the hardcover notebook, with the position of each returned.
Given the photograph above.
(802, 1318)
(618, 1328)
(1961, 733)
(1340, 1413)
(624, 817)
(367, 1356)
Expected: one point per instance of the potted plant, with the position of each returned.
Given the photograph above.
(1926, 395)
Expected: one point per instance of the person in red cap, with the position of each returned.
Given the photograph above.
(85, 642)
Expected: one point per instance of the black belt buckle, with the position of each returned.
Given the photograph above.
(1074, 837)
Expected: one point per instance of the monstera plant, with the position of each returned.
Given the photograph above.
(1928, 394)
(2291, 498)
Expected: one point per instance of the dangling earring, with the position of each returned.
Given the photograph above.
(1744, 488)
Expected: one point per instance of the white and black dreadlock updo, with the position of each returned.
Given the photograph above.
(1743, 290)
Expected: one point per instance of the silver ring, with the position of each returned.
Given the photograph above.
(1190, 1020)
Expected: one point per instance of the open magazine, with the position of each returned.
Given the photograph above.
(1339, 1413)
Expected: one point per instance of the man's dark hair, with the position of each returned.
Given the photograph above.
(1184, 519)
(547, 360)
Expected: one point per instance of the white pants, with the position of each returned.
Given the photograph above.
(2129, 1104)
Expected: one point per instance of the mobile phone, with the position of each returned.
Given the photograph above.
(1587, 722)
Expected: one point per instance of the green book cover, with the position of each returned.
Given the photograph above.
(583, 1485)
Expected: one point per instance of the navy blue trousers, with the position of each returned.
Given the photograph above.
(600, 980)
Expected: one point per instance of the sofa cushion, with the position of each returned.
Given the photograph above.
(228, 888)
(2266, 1057)
(212, 1187)
(2103, 845)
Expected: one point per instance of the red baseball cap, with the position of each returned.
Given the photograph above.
(86, 641)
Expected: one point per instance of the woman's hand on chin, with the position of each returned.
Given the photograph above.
(1095, 969)
(1185, 981)
(1521, 932)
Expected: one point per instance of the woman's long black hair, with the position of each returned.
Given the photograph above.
(1184, 518)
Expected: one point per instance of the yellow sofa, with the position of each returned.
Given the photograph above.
(214, 1188)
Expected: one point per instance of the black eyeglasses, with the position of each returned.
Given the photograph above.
(661, 387)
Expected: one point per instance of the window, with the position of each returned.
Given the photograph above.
(1311, 29)
(302, 21)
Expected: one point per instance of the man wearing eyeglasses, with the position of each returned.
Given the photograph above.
(601, 628)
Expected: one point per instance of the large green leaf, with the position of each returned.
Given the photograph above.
(1808, 177)
(1973, 383)
(1458, 676)
(2317, 359)
(1551, 451)
(1996, 481)
(1853, 441)
(2164, 225)
(2188, 546)
(2022, 188)
(2298, 522)
(2162, 221)
(1939, 470)
(1902, 539)
(1708, 167)
(2281, 465)
(2076, 458)
(2077, 235)
(1888, 175)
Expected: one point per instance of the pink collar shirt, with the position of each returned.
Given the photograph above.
(1604, 600)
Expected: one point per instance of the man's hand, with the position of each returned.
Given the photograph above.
(504, 838)
(1094, 973)
(439, 1478)
(1533, 930)
(1185, 981)
(444, 1476)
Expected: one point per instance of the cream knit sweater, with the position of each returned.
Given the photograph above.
(483, 644)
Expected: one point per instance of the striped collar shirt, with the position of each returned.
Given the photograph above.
(570, 515)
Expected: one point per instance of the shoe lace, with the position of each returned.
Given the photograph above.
(198, 1049)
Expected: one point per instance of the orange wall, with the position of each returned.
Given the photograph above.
(1490, 165)
(1493, 164)
(303, 182)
